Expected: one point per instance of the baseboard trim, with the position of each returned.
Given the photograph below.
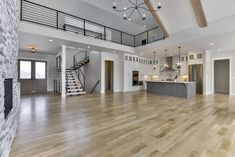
(207, 93)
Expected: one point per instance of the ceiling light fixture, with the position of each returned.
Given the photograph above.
(212, 44)
(219, 50)
(154, 61)
(135, 7)
(33, 50)
(166, 63)
(50, 40)
(179, 63)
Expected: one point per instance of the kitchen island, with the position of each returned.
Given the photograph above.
(170, 88)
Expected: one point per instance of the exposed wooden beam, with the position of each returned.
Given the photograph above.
(157, 18)
(199, 12)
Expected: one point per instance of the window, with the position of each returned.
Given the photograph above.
(126, 58)
(191, 57)
(199, 56)
(133, 59)
(25, 70)
(40, 70)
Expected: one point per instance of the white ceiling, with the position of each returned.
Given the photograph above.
(107, 6)
(179, 18)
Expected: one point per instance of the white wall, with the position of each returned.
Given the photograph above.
(92, 71)
(51, 65)
(208, 66)
(145, 72)
(69, 57)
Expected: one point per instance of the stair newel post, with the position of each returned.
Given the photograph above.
(74, 61)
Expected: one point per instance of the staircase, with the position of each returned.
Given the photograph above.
(75, 78)
(73, 84)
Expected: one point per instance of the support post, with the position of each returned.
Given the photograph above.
(63, 71)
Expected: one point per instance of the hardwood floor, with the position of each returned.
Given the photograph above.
(126, 125)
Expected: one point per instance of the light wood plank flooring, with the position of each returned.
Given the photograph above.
(126, 125)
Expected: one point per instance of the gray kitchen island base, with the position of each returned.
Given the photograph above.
(177, 89)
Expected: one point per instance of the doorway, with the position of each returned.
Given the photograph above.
(32, 76)
(222, 76)
(109, 75)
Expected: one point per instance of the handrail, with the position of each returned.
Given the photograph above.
(78, 69)
(57, 86)
(75, 62)
(84, 79)
(57, 19)
(58, 62)
(95, 86)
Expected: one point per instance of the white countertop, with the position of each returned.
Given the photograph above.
(188, 82)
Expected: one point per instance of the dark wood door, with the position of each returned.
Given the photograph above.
(33, 76)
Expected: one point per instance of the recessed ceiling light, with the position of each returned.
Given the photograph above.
(144, 26)
(88, 47)
(212, 44)
(50, 40)
(129, 19)
(219, 50)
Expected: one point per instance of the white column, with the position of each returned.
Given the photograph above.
(63, 71)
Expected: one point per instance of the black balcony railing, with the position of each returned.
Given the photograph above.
(42, 15)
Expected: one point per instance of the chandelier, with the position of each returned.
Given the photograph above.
(135, 7)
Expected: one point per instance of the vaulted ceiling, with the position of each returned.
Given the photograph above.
(106, 5)
(178, 16)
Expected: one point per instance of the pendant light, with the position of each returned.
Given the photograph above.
(166, 64)
(154, 61)
(179, 63)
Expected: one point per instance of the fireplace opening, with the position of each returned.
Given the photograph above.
(8, 93)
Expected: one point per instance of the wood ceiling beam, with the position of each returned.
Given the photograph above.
(199, 12)
(157, 18)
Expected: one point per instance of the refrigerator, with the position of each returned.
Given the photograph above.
(196, 75)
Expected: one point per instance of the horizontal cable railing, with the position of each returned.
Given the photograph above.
(39, 14)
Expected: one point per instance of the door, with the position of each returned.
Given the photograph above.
(196, 75)
(221, 76)
(109, 75)
(33, 76)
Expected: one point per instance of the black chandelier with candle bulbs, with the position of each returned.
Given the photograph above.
(136, 6)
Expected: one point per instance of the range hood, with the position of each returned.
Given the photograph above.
(169, 68)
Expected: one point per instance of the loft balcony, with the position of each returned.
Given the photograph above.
(42, 15)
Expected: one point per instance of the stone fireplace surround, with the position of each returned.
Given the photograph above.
(9, 34)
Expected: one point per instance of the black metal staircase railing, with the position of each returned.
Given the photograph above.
(58, 63)
(96, 84)
(43, 15)
(79, 60)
